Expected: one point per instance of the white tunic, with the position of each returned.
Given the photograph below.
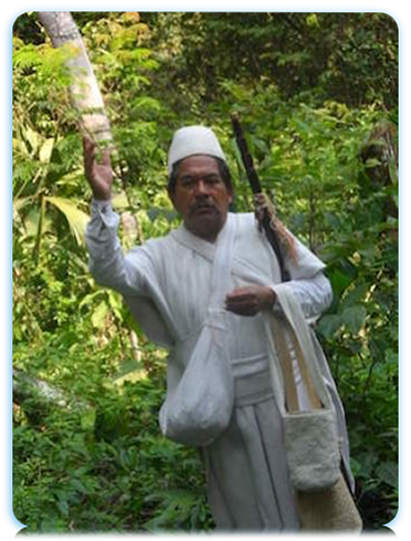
(167, 283)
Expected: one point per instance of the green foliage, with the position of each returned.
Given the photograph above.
(346, 57)
(362, 342)
(317, 94)
(100, 464)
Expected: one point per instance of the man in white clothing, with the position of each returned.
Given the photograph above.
(167, 284)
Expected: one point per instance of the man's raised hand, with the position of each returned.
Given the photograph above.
(99, 175)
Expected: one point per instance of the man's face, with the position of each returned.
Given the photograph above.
(201, 196)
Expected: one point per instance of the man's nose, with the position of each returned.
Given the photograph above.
(201, 188)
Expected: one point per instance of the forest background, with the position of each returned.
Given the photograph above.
(318, 97)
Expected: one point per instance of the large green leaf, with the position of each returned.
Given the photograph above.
(46, 150)
(354, 317)
(99, 315)
(329, 324)
(356, 294)
(340, 281)
(76, 218)
(388, 472)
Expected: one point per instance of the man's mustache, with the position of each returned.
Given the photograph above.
(201, 205)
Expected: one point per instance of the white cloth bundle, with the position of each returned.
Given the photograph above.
(201, 406)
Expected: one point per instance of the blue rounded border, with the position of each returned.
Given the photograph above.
(11, 522)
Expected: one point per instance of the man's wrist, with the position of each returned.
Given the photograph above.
(269, 298)
(102, 197)
(101, 204)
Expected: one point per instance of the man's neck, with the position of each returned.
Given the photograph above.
(208, 235)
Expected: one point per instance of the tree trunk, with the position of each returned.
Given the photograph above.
(85, 94)
(84, 90)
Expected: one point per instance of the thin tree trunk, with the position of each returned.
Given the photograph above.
(84, 91)
(85, 94)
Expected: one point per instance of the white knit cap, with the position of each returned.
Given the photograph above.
(192, 140)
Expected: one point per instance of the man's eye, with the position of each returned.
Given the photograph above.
(189, 182)
(186, 182)
(212, 180)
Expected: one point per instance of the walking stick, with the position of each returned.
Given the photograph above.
(267, 218)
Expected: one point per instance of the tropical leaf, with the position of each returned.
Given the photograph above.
(20, 202)
(99, 315)
(130, 371)
(39, 235)
(33, 138)
(46, 150)
(354, 317)
(76, 218)
(388, 473)
(175, 506)
(329, 325)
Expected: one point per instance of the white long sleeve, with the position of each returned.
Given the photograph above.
(107, 263)
(314, 294)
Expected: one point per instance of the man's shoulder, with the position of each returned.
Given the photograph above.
(153, 253)
(160, 242)
(246, 219)
(242, 215)
(246, 223)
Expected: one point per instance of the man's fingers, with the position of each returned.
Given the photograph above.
(249, 300)
(239, 294)
(106, 156)
(90, 152)
(88, 145)
(89, 149)
(242, 309)
(242, 301)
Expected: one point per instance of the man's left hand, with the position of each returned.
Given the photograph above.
(250, 300)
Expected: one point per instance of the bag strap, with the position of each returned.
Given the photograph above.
(223, 260)
(283, 352)
(301, 330)
(281, 328)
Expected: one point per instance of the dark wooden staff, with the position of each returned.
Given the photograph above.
(254, 181)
